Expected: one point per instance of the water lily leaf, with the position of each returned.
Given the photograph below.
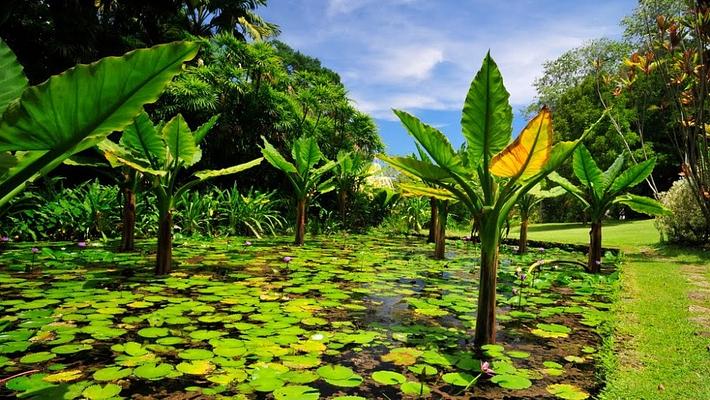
(458, 378)
(98, 392)
(34, 358)
(334, 372)
(266, 383)
(423, 369)
(64, 376)
(111, 374)
(153, 332)
(567, 392)
(196, 367)
(153, 372)
(513, 382)
(415, 388)
(296, 393)
(402, 356)
(71, 348)
(388, 377)
(195, 354)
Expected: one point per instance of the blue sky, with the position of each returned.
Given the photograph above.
(420, 55)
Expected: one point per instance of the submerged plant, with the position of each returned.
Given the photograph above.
(490, 174)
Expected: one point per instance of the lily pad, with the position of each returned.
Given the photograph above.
(458, 378)
(567, 392)
(98, 392)
(388, 377)
(513, 382)
(34, 358)
(296, 393)
(111, 374)
(415, 388)
(153, 371)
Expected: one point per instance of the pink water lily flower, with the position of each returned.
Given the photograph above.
(287, 259)
(486, 368)
(81, 244)
(35, 250)
(247, 243)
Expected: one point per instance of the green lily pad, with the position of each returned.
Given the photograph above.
(458, 378)
(35, 358)
(153, 332)
(567, 392)
(513, 382)
(336, 372)
(296, 393)
(71, 348)
(153, 371)
(388, 377)
(196, 367)
(111, 374)
(195, 354)
(98, 392)
(64, 376)
(414, 388)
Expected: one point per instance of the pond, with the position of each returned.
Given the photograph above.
(344, 317)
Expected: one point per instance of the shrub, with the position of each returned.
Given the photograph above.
(685, 224)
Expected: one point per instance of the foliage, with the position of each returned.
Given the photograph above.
(488, 175)
(44, 125)
(599, 190)
(251, 213)
(307, 181)
(685, 224)
(160, 153)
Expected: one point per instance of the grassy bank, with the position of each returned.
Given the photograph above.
(658, 349)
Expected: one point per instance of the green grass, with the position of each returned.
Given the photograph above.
(627, 235)
(658, 352)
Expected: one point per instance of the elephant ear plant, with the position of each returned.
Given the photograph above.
(43, 125)
(160, 153)
(599, 190)
(526, 204)
(307, 180)
(490, 174)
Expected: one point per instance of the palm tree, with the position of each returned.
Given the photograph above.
(238, 17)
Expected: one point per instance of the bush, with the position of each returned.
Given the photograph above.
(686, 224)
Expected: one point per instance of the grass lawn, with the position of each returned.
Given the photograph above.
(627, 235)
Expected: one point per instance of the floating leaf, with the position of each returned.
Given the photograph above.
(388, 377)
(111, 374)
(513, 382)
(415, 388)
(98, 392)
(296, 393)
(64, 376)
(458, 378)
(567, 392)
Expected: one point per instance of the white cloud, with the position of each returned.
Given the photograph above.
(406, 63)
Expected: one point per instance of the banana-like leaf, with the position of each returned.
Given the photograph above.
(273, 157)
(306, 154)
(213, 173)
(633, 176)
(326, 186)
(426, 191)
(433, 141)
(487, 118)
(416, 168)
(529, 152)
(587, 171)
(80, 161)
(181, 142)
(568, 186)
(613, 171)
(324, 168)
(12, 78)
(642, 204)
(77, 109)
(118, 156)
(7, 161)
(141, 137)
(205, 128)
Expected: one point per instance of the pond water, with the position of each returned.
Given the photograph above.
(348, 317)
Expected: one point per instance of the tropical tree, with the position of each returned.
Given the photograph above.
(489, 175)
(526, 204)
(350, 172)
(43, 125)
(307, 181)
(599, 190)
(160, 152)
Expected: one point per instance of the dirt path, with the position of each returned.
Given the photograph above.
(699, 296)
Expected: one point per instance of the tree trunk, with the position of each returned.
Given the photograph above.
(486, 313)
(523, 241)
(342, 204)
(594, 262)
(129, 219)
(433, 220)
(300, 222)
(440, 237)
(165, 244)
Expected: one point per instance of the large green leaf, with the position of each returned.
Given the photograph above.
(181, 142)
(642, 204)
(613, 171)
(12, 78)
(432, 140)
(487, 120)
(633, 176)
(587, 171)
(568, 186)
(75, 110)
(273, 157)
(420, 169)
(213, 173)
(118, 156)
(91, 100)
(306, 154)
(141, 137)
(426, 191)
(205, 128)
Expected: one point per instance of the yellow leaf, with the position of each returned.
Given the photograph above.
(64, 376)
(530, 151)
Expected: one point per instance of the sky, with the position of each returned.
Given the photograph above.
(421, 55)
